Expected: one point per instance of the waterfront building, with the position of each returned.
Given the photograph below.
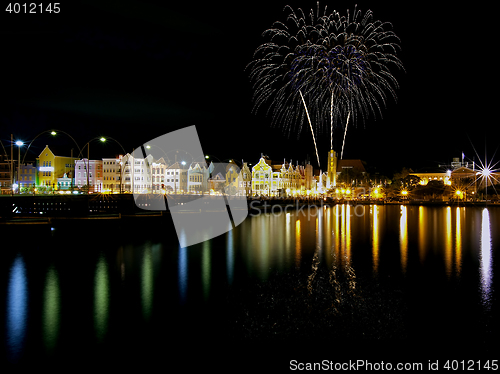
(5, 175)
(261, 178)
(297, 179)
(232, 179)
(245, 180)
(111, 172)
(309, 177)
(51, 167)
(141, 174)
(126, 164)
(65, 183)
(89, 172)
(27, 176)
(158, 173)
(431, 175)
(176, 178)
(217, 183)
(198, 174)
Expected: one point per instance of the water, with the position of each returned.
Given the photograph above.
(366, 276)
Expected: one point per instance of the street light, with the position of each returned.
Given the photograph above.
(103, 140)
(19, 145)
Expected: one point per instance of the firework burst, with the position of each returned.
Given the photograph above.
(324, 68)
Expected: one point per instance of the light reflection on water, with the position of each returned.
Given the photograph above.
(403, 242)
(51, 309)
(17, 308)
(485, 256)
(101, 298)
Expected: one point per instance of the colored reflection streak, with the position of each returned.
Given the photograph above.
(448, 252)
(147, 282)
(206, 265)
(375, 238)
(182, 271)
(51, 309)
(458, 242)
(346, 233)
(298, 256)
(17, 308)
(403, 237)
(101, 298)
(422, 231)
(485, 257)
(230, 257)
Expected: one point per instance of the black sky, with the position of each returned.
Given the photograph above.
(135, 70)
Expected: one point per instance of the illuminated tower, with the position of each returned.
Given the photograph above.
(331, 180)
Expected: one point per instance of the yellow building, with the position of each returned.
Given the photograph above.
(261, 178)
(277, 180)
(50, 167)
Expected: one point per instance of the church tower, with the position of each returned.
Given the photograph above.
(331, 180)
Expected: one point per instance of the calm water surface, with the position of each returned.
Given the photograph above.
(91, 292)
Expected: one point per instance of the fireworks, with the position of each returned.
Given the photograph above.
(325, 68)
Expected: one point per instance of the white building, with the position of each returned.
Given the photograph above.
(141, 174)
(176, 178)
(127, 163)
(158, 172)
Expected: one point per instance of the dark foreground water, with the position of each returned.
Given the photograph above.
(378, 282)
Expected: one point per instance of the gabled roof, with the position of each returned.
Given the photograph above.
(218, 177)
(161, 160)
(463, 170)
(197, 166)
(56, 152)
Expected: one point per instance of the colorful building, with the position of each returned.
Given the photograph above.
(95, 175)
(51, 167)
(27, 175)
(262, 178)
(111, 174)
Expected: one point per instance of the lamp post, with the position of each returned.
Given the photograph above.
(104, 139)
(19, 144)
(55, 132)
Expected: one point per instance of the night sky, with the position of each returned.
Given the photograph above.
(135, 70)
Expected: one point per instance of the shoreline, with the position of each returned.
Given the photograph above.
(53, 209)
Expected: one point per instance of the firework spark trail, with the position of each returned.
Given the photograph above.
(345, 132)
(340, 64)
(312, 131)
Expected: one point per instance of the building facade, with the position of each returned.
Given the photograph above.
(176, 178)
(112, 169)
(261, 178)
(27, 176)
(89, 172)
(51, 167)
(198, 175)
(245, 181)
(158, 171)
